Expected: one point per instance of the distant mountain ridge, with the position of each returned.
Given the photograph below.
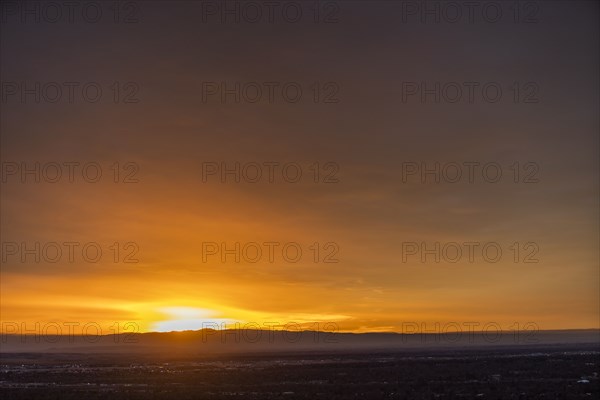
(244, 340)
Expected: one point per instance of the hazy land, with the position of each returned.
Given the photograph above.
(180, 365)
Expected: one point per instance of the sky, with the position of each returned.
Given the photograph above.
(364, 100)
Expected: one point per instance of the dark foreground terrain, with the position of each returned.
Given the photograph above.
(534, 372)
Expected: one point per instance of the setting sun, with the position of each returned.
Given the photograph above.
(188, 318)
